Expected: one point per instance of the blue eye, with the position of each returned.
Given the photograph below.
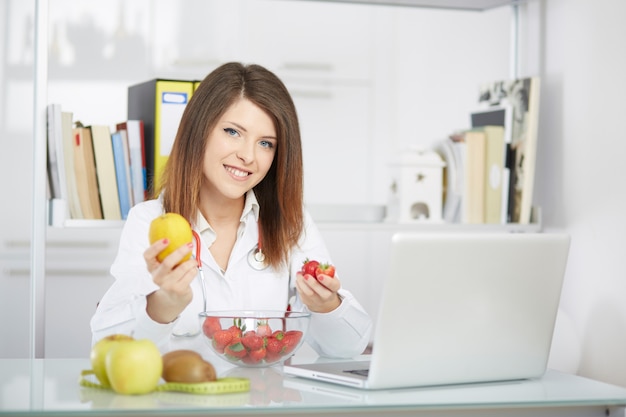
(230, 131)
(267, 144)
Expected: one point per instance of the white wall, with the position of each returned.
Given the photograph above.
(580, 174)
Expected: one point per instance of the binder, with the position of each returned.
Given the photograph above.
(160, 104)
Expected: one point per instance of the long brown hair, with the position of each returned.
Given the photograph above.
(280, 193)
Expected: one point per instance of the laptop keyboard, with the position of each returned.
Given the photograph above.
(361, 372)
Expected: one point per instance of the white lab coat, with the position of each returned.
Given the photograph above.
(343, 332)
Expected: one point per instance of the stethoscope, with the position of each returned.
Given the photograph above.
(256, 257)
(256, 260)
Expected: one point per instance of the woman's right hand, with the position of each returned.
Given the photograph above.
(173, 280)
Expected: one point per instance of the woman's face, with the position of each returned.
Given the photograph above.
(239, 151)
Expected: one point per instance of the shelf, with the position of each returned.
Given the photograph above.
(372, 218)
(471, 5)
(432, 227)
(362, 226)
(91, 224)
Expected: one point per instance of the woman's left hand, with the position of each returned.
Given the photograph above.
(318, 294)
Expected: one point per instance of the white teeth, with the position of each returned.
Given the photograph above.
(237, 172)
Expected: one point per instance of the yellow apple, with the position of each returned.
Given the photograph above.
(173, 227)
(99, 352)
(134, 367)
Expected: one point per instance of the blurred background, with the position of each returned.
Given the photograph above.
(369, 81)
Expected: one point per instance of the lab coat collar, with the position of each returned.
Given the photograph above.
(251, 206)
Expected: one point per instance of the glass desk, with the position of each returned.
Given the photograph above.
(50, 387)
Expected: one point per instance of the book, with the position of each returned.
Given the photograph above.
(126, 149)
(73, 199)
(501, 116)
(522, 95)
(56, 170)
(453, 180)
(85, 172)
(134, 133)
(122, 172)
(160, 103)
(474, 170)
(459, 148)
(494, 166)
(105, 168)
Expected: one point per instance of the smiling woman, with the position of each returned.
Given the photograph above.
(224, 131)
(235, 173)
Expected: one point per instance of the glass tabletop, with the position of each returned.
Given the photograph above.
(51, 387)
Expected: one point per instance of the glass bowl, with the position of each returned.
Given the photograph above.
(254, 338)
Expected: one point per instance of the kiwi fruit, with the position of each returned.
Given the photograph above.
(187, 366)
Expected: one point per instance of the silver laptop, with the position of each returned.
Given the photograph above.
(459, 308)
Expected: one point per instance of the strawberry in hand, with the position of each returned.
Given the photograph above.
(325, 269)
(309, 267)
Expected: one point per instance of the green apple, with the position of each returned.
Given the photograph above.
(134, 367)
(99, 352)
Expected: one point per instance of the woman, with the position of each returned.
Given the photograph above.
(235, 172)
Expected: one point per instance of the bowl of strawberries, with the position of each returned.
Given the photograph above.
(254, 338)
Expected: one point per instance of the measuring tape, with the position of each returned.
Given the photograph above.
(220, 386)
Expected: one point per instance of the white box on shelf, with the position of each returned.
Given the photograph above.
(417, 187)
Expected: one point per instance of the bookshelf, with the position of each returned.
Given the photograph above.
(42, 78)
(474, 5)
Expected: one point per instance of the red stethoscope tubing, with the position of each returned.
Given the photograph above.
(199, 263)
(255, 253)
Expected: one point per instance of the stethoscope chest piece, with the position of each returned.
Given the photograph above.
(256, 259)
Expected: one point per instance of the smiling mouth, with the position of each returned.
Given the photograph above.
(237, 172)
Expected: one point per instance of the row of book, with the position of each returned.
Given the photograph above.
(95, 172)
(490, 167)
(98, 172)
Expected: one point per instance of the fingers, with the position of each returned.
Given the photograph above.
(328, 282)
(150, 254)
(174, 274)
(172, 260)
(321, 282)
(319, 295)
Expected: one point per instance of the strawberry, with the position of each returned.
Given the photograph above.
(210, 326)
(221, 339)
(255, 356)
(263, 329)
(235, 332)
(325, 269)
(309, 267)
(252, 341)
(236, 350)
(273, 345)
(290, 340)
(278, 334)
(272, 356)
